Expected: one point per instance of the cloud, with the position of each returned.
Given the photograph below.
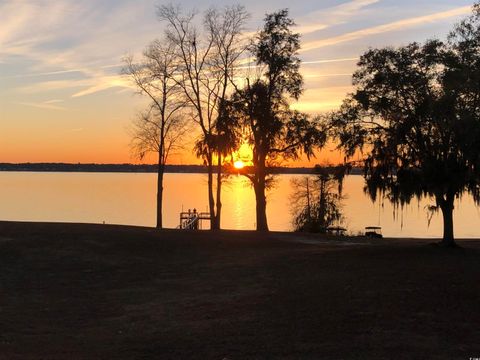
(105, 83)
(91, 85)
(316, 75)
(397, 25)
(26, 24)
(87, 38)
(12, 24)
(52, 85)
(311, 23)
(249, 63)
(48, 73)
(326, 61)
(47, 105)
(54, 101)
(333, 16)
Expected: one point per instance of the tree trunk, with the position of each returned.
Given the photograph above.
(219, 192)
(260, 197)
(447, 212)
(161, 170)
(309, 209)
(211, 201)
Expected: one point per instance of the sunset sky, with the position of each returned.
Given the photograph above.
(62, 98)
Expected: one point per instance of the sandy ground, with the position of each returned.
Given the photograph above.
(72, 291)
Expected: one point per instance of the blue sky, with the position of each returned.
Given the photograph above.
(62, 97)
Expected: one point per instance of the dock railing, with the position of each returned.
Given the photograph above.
(192, 220)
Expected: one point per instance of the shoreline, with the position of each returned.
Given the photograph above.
(283, 235)
(141, 168)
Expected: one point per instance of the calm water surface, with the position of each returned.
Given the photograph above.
(129, 198)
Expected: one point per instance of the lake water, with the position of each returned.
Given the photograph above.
(129, 198)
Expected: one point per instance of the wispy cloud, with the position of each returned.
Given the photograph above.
(25, 24)
(321, 20)
(40, 74)
(59, 43)
(46, 105)
(90, 85)
(316, 75)
(332, 16)
(249, 63)
(87, 38)
(51, 85)
(393, 26)
(54, 101)
(104, 83)
(327, 61)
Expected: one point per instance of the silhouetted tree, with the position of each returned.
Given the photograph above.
(262, 106)
(416, 111)
(158, 129)
(316, 200)
(207, 61)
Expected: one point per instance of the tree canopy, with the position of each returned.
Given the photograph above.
(262, 107)
(415, 113)
(160, 128)
(316, 201)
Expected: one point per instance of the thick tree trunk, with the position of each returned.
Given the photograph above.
(447, 212)
(261, 207)
(211, 201)
(161, 170)
(219, 193)
(260, 197)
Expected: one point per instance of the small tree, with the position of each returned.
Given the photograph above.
(158, 129)
(262, 107)
(317, 200)
(416, 111)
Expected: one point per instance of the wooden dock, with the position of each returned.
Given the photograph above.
(193, 220)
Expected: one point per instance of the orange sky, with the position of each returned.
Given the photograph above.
(62, 98)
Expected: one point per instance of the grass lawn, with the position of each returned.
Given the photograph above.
(72, 291)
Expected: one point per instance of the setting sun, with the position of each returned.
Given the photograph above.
(239, 164)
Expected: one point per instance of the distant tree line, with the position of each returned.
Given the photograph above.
(68, 167)
(147, 168)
